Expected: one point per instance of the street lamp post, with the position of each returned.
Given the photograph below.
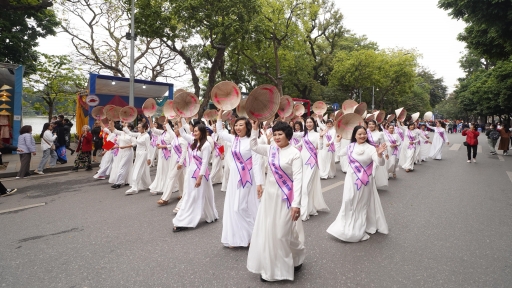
(131, 98)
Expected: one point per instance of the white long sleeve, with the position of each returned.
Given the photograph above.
(205, 152)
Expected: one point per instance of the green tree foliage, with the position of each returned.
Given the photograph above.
(56, 82)
(488, 31)
(21, 25)
(450, 109)
(437, 91)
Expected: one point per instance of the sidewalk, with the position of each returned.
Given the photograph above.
(14, 163)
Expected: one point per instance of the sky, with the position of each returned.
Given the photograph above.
(404, 24)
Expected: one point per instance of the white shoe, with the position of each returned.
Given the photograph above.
(474, 160)
(38, 172)
(469, 161)
(131, 192)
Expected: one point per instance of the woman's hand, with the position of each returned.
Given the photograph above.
(295, 212)
(255, 125)
(34, 153)
(149, 162)
(198, 181)
(381, 148)
(259, 189)
(411, 142)
(160, 146)
(323, 133)
(338, 138)
(179, 166)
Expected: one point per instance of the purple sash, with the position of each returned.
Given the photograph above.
(165, 151)
(282, 179)
(331, 146)
(116, 150)
(425, 134)
(400, 133)
(199, 162)
(362, 173)
(296, 142)
(411, 139)
(370, 137)
(153, 140)
(441, 133)
(392, 140)
(244, 167)
(216, 146)
(313, 156)
(177, 148)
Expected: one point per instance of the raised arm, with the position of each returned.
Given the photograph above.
(223, 133)
(130, 133)
(186, 136)
(184, 125)
(183, 144)
(257, 148)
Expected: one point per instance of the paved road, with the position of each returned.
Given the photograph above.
(450, 226)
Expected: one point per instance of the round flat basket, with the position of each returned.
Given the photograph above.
(128, 114)
(348, 106)
(285, 106)
(298, 109)
(149, 107)
(319, 107)
(240, 109)
(98, 112)
(262, 103)
(186, 104)
(226, 95)
(360, 108)
(346, 124)
(168, 109)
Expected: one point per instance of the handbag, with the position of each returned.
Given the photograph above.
(52, 146)
(465, 143)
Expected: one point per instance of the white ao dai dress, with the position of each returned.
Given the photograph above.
(217, 172)
(312, 196)
(408, 150)
(179, 149)
(424, 146)
(198, 202)
(326, 155)
(361, 211)
(140, 175)
(376, 138)
(108, 158)
(241, 202)
(121, 172)
(440, 136)
(393, 153)
(164, 162)
(277, 243)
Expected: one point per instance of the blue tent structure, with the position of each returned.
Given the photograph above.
(115, 90)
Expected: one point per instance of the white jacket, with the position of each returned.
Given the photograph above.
(49, 137)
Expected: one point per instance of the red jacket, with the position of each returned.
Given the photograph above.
(85, 143)
(471, 137)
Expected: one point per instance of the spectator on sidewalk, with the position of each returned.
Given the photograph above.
(471, 140)
(47, 139)
(97, 139)
(67, 132)
(60, 142)
(492, 138)
(450, 127)
(505, 139)
(83, 159)
(27, 145)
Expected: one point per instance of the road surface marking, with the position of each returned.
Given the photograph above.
(36, 176)
(455, 147)
(501, 158)
(22, 208)
(332, 186)
(509, 175)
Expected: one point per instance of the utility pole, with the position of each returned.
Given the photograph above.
(132, 52)
(373, 98)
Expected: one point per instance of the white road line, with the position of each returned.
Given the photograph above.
(455, 147)
(36, 176)
(332, 186)
(479, 149)
(509, 175)
(22, 208)
(501, 158)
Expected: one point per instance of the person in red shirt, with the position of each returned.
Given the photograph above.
(83, 158)
(471, 140)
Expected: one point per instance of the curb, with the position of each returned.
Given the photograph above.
(46, 171)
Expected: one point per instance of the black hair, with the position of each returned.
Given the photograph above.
(144, 125)
(314, 125)
(285, 128)
(202, 139)
(159, 126)
(45, 127)
(195, 122)
(130, 126)
(353, 138)
(300, 124)
(409, 124)
(248, 125)
(118, 126)
(329, 120)
(26, 129)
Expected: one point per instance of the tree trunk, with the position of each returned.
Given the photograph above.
(212, 77)
(279, 79)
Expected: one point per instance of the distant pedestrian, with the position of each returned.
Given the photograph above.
(27, 145)
(67, 134)
(505, 139)
(83, 159)
(492, 138)
(48, 148)
(471, 141)
(97, 139)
